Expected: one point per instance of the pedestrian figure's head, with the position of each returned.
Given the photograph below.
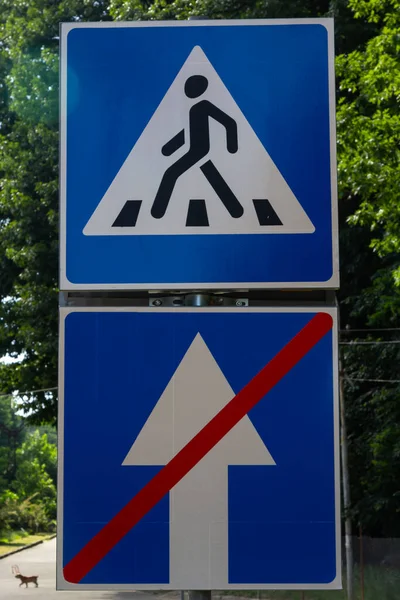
(195, 86)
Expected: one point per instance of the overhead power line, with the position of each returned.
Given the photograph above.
(372, 380)
(370, 343)
(368, 329)
(15, 393)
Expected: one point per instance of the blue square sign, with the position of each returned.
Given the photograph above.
(198, 449)
(198, 154)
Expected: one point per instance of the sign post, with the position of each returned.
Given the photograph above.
(198, 337)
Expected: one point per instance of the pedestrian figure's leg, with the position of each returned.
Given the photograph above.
(168, 182)
(222, 190)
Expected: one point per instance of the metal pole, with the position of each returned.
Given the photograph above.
(346, 488)
(361, 564)
(198, 300)
(199, 594)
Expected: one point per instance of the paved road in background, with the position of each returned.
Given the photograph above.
(41, 560)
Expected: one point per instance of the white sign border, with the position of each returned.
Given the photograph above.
(66, 285)
(62, 584)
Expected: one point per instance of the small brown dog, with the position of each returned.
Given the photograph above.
(26, 580)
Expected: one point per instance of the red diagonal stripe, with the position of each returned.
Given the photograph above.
(197, 448)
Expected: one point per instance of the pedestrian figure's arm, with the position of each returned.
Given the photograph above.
(229, 124)
(174, 144)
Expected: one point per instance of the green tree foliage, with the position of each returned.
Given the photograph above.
(12, 433)
(51, 432)
(373, 415)
(28, 498)
(367, 41)
(37, 472)
(29, 165)
(28, 472)
(16, 514)
(216, 9)
(29, 192)
(368, 120)
(36, 447)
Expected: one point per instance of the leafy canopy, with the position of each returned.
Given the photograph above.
(368, 119)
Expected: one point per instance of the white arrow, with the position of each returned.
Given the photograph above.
(197, 391)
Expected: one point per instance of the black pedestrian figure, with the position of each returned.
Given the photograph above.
(199, 146)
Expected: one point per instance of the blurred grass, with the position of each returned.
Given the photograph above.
(15, 541)
(380, 583)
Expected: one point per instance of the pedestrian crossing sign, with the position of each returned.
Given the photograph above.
(198, 154)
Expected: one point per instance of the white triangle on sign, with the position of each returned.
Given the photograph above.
(196, 392)
(269, 205)
(198, 521)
